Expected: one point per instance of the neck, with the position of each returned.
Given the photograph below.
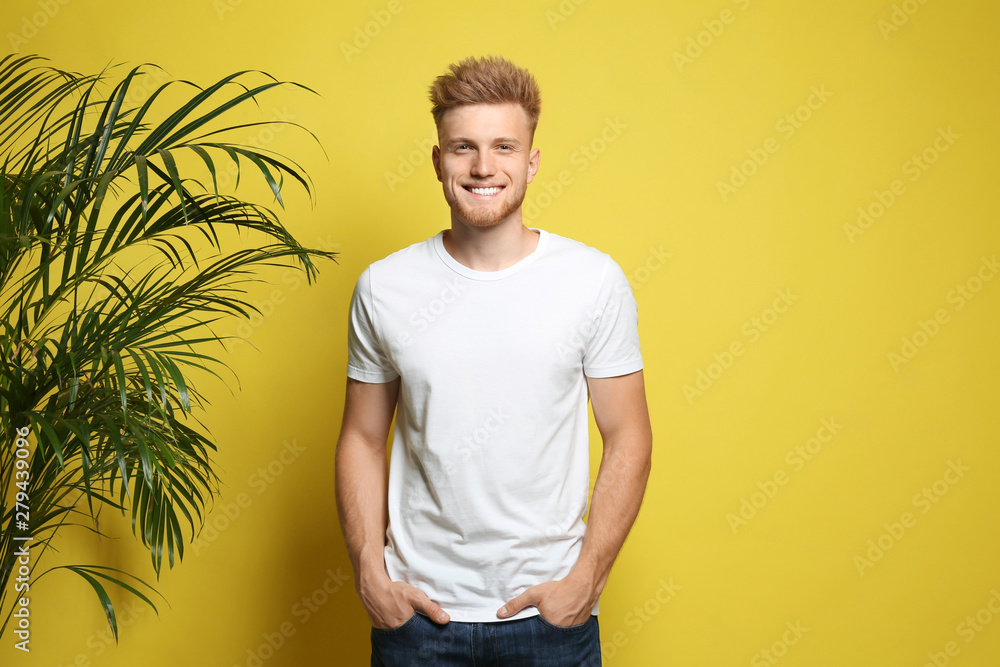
(492, 248)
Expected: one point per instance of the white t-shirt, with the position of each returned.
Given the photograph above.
(489, 472)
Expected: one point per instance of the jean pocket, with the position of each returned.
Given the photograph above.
(407, 623)
(564, 628)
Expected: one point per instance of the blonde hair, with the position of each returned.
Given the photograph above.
(487, 80)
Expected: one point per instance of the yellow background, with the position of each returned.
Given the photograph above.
(893, 78)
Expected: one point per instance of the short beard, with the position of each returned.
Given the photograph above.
(482, 216)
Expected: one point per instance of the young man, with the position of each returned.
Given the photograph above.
(487, 340)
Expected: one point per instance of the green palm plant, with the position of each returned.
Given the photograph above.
(106, 306)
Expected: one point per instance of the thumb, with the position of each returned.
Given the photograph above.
(525, 599)
(436, 613)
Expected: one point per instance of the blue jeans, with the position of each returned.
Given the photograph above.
(525, 642)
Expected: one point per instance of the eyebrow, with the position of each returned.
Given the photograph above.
(498, 140)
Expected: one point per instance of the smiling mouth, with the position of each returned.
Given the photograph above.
(484, 191)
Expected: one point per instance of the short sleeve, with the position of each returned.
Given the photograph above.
(613, 347)
(366, 359)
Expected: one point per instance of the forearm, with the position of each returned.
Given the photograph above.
(362, 483)
(618, 492)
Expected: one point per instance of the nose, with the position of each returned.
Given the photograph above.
(483, 165)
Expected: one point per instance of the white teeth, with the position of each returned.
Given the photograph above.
(485, 191)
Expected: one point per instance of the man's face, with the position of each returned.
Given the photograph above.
(485, 162)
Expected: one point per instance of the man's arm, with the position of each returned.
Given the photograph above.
(623, 419)
(362, 503)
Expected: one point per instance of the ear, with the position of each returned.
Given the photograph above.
(436, 161)
(534, 161)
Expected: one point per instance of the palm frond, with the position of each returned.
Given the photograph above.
(100, 349)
